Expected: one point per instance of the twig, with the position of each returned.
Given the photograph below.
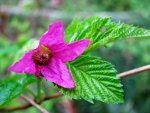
(53, 96)
(23, 107)
(134, 71)
(34, 104)
(121, 75)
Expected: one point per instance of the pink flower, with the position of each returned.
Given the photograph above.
(47, 60)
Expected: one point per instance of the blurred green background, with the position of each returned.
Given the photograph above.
(21, 20)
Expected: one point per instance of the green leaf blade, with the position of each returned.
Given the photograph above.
(102, 31)
(123, 31)
(95, 79)
(9, 90)
(13, 86)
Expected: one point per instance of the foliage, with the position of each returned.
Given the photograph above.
(102, 31)
(13, 87)
(95, 78)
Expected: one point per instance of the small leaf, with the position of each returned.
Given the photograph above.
(94, 79)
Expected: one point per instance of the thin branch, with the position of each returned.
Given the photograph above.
(23, 107)
(134, 71)
(34, 104)
(53, 96)
(121, 75)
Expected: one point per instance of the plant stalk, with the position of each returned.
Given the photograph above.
(39, 89)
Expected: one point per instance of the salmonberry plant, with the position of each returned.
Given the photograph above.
(62, 57)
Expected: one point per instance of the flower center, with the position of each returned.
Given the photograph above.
(42, 56)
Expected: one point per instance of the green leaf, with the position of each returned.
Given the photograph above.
(94, 79)
(9, 90)
(102, 31)
(12, 87)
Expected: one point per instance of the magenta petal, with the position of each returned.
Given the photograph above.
(54, 35)
(71, 51)
(56, 71)
(24, 65)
